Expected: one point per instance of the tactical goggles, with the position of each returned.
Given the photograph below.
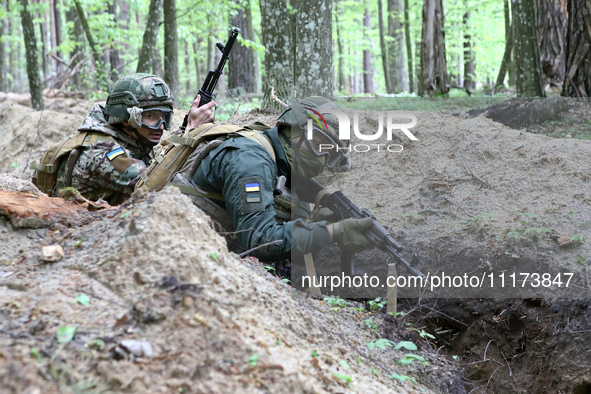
(323, 145)
(152, 118)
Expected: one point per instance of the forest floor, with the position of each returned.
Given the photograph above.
(162, 306)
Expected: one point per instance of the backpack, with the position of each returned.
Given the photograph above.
(46, 171)
(181, 155)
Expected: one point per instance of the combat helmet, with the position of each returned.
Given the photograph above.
(325, 130)
(142, 99)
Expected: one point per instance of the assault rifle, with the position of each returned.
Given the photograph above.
(344, 208)
(213, 76)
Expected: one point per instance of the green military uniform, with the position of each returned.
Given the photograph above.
(108, 168)
(244, 173)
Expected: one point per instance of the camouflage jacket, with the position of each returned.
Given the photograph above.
(108, 168)
(244, 173)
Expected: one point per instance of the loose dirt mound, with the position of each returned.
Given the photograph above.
(215, 323)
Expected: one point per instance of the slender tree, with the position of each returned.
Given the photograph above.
(57, 16)
(367, 70)
(96, 52)
(314, 71)
(144, 64)
(396, 64)
(434, 79)
(577, 81)
(114, 59)
(506, 63)
(171, 49)
(253, 54)
(528, 69)
(383, 49)
(76, 34)
(410, 68)
(31, 52)
(240, 72)
(278, 51)
(3, 83)
(468, 55)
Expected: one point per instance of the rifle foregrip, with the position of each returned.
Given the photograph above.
(205, 98)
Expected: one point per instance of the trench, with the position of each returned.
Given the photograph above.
(530, 344)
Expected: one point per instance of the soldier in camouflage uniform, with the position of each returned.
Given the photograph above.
(124, 133)
(245, 174)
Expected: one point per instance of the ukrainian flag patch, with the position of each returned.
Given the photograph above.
(115, 153)
(252, 187)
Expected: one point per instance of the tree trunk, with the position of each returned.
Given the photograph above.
(194, 89)
(468, 55)
(42, 30)
(31, 53)
(383, 48)
(114, 60)
(367, 71)
(76, 33)
(144, 64)
(552, 22)
(410, 69)
(100, 77)
(171, 50)
(528, 70)
(157, 61)
(341, 83)
(278, 52)
(506, 59)
(53, 41)
(398, 74)
(434, 79)
(2, 57)
(577, 82)
(240, 70)
(254, 60)
(187, 70)
(57, 15)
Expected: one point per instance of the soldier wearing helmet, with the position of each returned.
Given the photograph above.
(121, 137)
(247, 177)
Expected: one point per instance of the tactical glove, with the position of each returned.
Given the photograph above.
(326, 214)
(348, 234)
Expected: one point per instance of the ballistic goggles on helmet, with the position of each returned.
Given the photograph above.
(322, 144)
(150, 118)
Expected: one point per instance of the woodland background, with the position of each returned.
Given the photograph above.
(302, 47)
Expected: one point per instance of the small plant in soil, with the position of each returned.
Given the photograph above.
(409, 358)
(335, 302)
(370, 324)
(376, 304)
(381, 343)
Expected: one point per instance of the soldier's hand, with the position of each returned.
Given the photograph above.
(326, 214)
(348, 234)
(199, 115)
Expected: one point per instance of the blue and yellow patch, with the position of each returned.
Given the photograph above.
(115, 153)
(252, 187)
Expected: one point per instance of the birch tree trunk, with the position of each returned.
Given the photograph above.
(506, 62)
(171, 49)
(434, 79)
(31, 53)
(144, 64)
(577, 81)
(528, 71)
(314, 66)
(278, 52)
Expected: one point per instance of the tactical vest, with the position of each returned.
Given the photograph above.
(180, 157)
(46, 171)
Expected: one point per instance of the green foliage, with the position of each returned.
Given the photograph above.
(370, 324)
(65, 334)
(214, 256)
(35, 354)
(381, 343)
(82, 299)
(401, 378)
(406, 345)
(269, 268)
(97, 344)
(376, 304)
(79, 243)
(345, 378)
(253, 360)
(335, 301)
(578, 239)
(314, 353)
(409, 358)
